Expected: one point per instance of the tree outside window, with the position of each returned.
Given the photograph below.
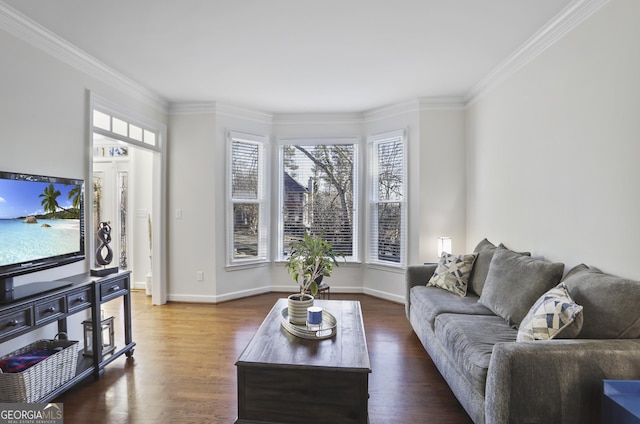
(387, 229)
(248, 226)
(318, 194)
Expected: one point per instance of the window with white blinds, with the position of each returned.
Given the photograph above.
(247, 229)
(387, 199)
(318, 182)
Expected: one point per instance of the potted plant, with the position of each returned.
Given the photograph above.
(310, 259)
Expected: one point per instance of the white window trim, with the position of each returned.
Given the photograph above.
(313, 141)
(262, 199)
(372, 143)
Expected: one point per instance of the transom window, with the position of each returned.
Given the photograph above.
(111, 126)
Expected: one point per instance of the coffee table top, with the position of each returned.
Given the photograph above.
(274, 346)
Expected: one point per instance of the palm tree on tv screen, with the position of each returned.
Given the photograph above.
(74, 196)
(49, 199)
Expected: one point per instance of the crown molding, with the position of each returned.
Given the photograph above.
(234, 111)
(384, 112)
(15, 23)
(442, 103)
(415, 105)
(221, 109)
(191, 108)
(20, 26)
(569, 18)
(350, 118)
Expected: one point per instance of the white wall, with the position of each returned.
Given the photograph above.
(384, 281)
(139, 209)
(553, 151)
(197, 186)
(193, 175)
(44, 121)
(442, 191)
(550, 159)
(234, 282)
(346, 277)
(197, 163)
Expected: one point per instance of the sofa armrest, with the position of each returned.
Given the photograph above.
(555, 380)
(416, 275)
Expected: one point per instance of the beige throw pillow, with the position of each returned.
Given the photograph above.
(554, 316)
(453, 273)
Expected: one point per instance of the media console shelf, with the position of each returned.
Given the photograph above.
(46, 306)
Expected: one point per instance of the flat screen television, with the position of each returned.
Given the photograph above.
(41, 224)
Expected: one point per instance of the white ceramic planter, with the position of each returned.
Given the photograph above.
(297, 309)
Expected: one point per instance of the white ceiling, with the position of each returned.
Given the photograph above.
(297, 55)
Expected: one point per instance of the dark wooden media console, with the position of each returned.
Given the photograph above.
(40, 304)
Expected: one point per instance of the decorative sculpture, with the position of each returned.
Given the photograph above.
(104, 236)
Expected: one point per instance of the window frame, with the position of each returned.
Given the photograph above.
(315, 141)
(261, 141)
(373, 142)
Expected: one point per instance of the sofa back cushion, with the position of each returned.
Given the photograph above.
(514, 283)
(610, 304)
(484, 250)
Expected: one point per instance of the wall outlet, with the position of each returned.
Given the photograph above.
(200, 276)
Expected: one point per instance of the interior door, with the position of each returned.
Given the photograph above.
(111, 199)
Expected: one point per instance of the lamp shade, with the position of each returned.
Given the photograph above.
(444, 245)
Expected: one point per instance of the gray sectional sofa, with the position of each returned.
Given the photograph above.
(499, 363)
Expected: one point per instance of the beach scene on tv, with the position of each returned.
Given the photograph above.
(38, 220)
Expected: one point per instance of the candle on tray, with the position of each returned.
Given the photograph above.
(314, 315)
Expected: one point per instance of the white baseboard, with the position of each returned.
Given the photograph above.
(196, 298)
(384, 295)
(139, 285)
(279, 289)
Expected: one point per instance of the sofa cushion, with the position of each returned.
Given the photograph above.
(515, 282)
(469, 340)
(554, 315)
(485, 250)
(453, 272)
(432, 301)
(610, 303)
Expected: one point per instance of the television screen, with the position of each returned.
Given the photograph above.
(41, 222)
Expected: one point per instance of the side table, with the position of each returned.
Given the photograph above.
(621, 401)
(324, 291)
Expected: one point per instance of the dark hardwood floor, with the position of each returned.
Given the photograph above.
(183, 369)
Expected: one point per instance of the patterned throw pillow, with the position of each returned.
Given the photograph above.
(453, 273)
(554, 315)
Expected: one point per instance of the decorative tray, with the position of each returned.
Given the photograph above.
(325, 330)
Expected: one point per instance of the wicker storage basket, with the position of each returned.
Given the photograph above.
(34, 383)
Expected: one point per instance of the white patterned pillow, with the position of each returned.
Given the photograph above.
(554, 315)
(453, 273)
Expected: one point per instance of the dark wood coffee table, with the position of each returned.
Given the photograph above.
(286, 379)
